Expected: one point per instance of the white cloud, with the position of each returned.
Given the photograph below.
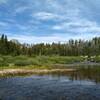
(46, 16)
(3, 24)
(78, 25)
(35, 39)
(52, 38)
(21, 9)
(67, 16)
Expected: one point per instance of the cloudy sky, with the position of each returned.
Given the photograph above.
(35, 21)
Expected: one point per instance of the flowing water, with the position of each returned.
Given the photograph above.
(80, 85)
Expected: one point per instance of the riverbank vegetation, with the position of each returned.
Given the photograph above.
(46, 56)
(41, 61)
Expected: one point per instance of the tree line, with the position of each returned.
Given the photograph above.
(70, 48)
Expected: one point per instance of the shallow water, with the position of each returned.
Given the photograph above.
(50, 87)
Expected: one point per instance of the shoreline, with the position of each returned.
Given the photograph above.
(5, 72)
(79, 64)
(63, 68)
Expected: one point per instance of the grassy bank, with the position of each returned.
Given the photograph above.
(37, 61)
(42, 62)
(20, 65)
(35, 64)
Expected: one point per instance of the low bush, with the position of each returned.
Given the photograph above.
(3, 64)
(22, 63)
(36, 62)
(97, 59)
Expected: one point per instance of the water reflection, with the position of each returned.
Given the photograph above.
(76, 85)
(88, 73)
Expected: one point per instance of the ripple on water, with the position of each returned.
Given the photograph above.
(48, 87)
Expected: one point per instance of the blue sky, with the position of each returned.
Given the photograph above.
(35, 21)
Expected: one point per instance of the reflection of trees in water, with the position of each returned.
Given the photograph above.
(90, 73)
(84, 73)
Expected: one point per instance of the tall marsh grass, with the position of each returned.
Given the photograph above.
(40, 60)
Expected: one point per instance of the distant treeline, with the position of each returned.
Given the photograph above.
(70, 48)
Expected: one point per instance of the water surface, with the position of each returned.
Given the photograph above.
(69, 86)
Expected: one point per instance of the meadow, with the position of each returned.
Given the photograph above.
(36, 61)
(42, 61)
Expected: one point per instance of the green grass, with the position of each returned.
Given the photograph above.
(25, 67)
(38, 61)
(97, 59)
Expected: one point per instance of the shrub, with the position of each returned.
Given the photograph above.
(35, 62)
(21, 57)
(1, 59)
(3, 64)
(97, 59)
(22, 63)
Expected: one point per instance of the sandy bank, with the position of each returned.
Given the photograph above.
(33, 71)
